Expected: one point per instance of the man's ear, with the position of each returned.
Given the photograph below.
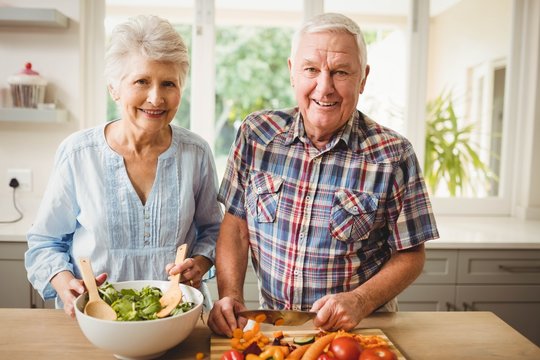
(363, 82)
(113, 92)
(291, 78)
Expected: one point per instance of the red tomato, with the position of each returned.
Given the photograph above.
(378, 353)
(325, 357)
(345, 348)
(232, 355)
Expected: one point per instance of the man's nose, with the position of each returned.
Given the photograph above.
(155, 96)
(325, 83)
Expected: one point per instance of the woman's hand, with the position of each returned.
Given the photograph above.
(192, 270)
(68, 288)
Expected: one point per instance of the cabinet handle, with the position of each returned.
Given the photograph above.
(520, 269)
(451, 307)
(467, 307)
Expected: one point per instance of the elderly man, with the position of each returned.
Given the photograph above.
(331, 204)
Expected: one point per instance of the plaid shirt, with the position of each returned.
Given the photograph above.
(323, 221)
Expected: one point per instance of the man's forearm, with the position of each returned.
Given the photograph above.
(232, 257)
(396, 275)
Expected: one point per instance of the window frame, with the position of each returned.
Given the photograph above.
(516, 188)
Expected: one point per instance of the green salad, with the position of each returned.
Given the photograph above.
(135, 305)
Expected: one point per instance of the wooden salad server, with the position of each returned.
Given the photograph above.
(172, 297)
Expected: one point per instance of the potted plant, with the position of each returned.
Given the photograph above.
(451, 156)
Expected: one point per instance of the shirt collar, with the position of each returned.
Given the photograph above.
(345, 135)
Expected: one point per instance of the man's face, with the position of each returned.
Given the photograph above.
(327, 80)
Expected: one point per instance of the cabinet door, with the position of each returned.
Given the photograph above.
(518, 305)
(16, 290)
(440, 267)
(427, 298)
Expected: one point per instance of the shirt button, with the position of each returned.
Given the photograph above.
(146, 234)
(259, 189)
(146, 242)
(308, 198)
(355, 208)
(296, 272)
(302, 235)
(147, 224)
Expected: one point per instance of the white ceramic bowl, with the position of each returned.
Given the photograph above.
(146, 339)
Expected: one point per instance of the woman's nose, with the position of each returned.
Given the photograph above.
(155, 97)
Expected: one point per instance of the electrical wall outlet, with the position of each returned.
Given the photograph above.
(23, 176)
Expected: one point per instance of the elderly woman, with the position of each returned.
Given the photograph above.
(127, 193)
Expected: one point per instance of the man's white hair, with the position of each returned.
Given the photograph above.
(333, 23)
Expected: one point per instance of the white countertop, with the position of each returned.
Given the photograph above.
(455, 233)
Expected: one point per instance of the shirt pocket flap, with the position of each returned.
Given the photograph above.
(357, 202)
(265, 183)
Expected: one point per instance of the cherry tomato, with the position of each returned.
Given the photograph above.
(232, 355)
(378, 353)
(345, 348)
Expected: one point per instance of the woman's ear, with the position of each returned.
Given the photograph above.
(113, 93)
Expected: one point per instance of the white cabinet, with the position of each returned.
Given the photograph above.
(506, 282)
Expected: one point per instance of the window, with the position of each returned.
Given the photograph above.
(428, 58)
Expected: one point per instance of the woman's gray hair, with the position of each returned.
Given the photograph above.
(147, 35)
(332, 22)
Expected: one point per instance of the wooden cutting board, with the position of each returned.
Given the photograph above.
(218, 345)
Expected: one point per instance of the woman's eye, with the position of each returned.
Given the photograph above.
(140, 81)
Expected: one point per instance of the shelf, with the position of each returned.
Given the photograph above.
(33, 115)
(17, 16)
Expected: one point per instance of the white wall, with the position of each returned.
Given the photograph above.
(55, 53)
(464, 36)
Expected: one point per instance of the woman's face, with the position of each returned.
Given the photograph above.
(149, 92)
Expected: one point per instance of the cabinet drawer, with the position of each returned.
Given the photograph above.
(499, 267)
(13, 250)
(440, 267)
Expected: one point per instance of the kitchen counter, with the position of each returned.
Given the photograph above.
(50, 334)
(455, 232)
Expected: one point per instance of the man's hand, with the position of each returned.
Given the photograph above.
(222, 319)
(339, 311)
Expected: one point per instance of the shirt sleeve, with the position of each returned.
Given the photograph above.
(208, 213)
(50, 237)
(232, 190)
(409, 213)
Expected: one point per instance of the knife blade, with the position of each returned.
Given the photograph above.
(279, 317)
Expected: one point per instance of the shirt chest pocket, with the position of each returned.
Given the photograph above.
(353, 215)
(266, 190)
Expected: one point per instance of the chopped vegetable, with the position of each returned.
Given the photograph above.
(302, 340)
(135, 305)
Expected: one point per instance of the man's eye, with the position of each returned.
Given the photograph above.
(169, 84)
(310, 70)
(341, 73)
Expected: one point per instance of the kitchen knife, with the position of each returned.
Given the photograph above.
(279, 317)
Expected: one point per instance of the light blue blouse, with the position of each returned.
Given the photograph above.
(90, 209)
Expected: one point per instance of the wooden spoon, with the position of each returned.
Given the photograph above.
(172, 297)
(95, 307)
